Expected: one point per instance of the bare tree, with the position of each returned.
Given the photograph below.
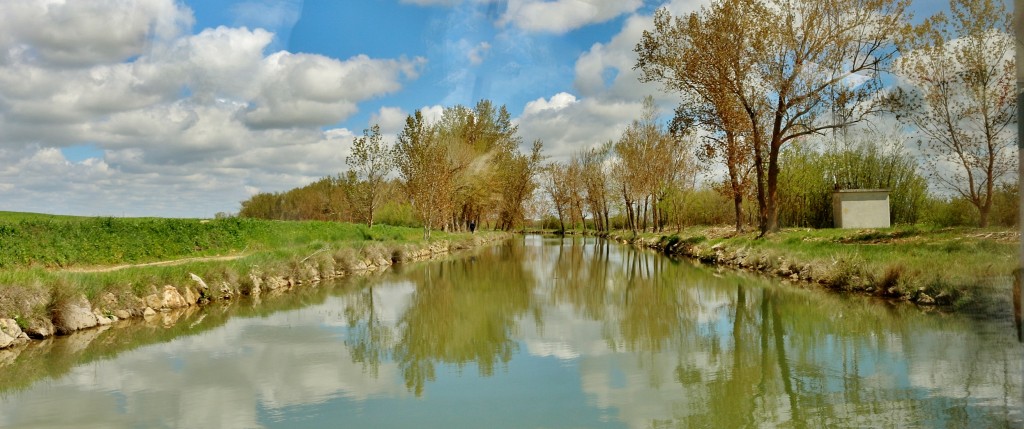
(963, 98)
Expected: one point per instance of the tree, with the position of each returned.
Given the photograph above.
(650, 162)
(727, 139)
(422, 157)
(795, 67)
(597, 186)
(963, 98)
(371, 161)
(553, 180)
(517, 179)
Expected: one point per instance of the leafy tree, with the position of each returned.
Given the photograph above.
(963, 98)
(553, 181)
(794, 67)
(596, 184)
(650, 161)
(517, 178)
(422, 157)
(371, 161)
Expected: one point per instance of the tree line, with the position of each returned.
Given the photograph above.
(775, 96)
(464, 170)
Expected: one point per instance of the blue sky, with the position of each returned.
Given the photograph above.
(187, 107)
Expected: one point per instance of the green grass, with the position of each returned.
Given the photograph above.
(33, 240)
(44, 258)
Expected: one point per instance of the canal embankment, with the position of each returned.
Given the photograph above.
(59, 275)
(948, 267)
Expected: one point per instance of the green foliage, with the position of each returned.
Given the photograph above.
(1006, 205)
(946, 212)
(326, 199)
(398, 214)
(809, 178)
(698, 207)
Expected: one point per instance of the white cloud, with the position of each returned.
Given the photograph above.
(390, 119)
(313, 90)
(79, 33)
(184, 124)
(478, 53)
(557, 102)
(608, 93)
(432, 114)
(561, 16)
(567, 125)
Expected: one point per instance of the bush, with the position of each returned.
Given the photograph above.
(808, 178)
(949, 212)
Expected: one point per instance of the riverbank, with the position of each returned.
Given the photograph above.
(51, 283)
(952, 267)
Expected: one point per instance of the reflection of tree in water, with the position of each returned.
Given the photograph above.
(463, 311)
(638, 298)
(581, 271)
(797, 362)
(755, 354)
(368, 339)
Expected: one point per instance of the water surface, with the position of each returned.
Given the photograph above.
(535, 333)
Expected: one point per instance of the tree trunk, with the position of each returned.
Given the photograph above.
(773, 191)
(762, 205)
(737, 200)
(983, 212)
(644, 224)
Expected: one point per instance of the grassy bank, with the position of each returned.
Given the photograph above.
(926, 265)
(48, 261)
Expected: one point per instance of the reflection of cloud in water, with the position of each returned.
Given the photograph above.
(221, 378)
(565, 336)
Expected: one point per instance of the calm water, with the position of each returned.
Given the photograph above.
(536, 333)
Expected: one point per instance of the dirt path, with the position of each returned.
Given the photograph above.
(154, 264)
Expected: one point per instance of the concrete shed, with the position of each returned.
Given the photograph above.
(861, 208)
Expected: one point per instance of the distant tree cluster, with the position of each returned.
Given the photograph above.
(638, 175)
(465, 169)
(327, 199)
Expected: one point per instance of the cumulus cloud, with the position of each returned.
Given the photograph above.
(561, 16)
(313, 90)
(76, 33)
(432, 114)
(390, 119)
(608, 93)
(184, 123)
(557, 102)
(567, 125)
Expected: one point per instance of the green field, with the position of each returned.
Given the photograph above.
(45, 259)
(30, 240)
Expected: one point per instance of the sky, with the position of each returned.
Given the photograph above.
(185, 108)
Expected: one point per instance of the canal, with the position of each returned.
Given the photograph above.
(538, 332)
